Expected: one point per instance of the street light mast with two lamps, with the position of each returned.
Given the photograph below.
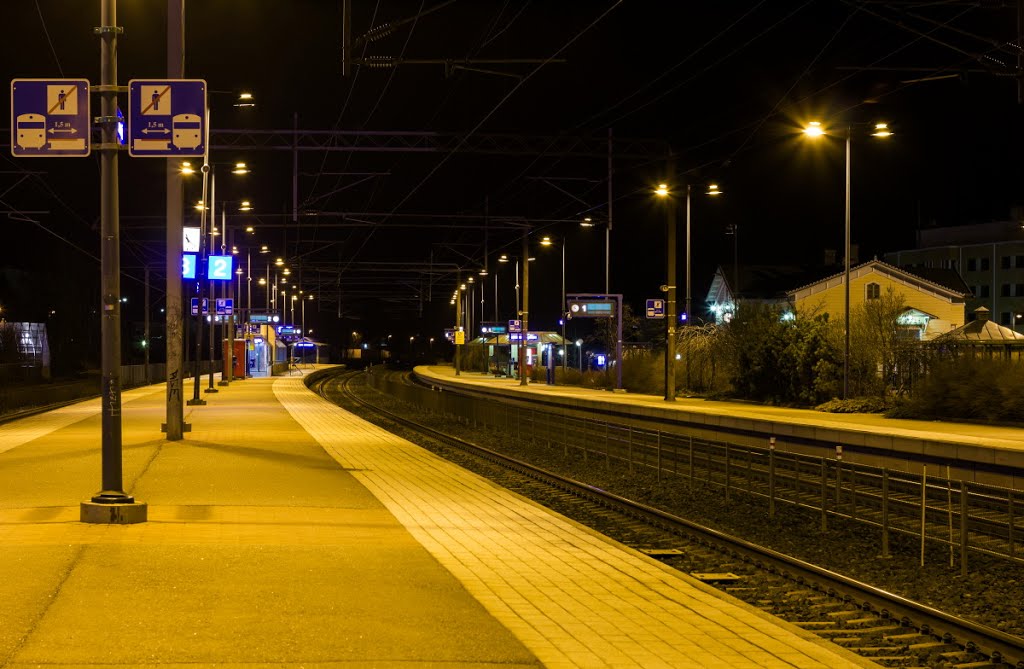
(815, 129)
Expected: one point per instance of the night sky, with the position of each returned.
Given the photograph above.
(726, 86)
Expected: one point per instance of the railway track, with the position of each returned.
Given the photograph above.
(883, 627)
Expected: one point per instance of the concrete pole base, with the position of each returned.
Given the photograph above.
(195, 402)
(211, 390)
(222, 383)
(114, 514)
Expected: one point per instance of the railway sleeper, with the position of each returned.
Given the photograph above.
(845, 615)
(870, 620)
(875, 633)
(882, 651)
(823, 607)
(933, 646)
(891, 660)
(816, 625)
(908, 637)
(961, 658)
(880, 631)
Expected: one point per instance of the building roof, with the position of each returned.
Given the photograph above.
(762, 281)
(913, 277)
(950, 278)
(982, 331)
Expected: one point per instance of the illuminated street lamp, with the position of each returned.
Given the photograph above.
(663, 191)
(814, 129)
(561, 309)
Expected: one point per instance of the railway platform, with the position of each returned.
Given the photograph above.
(991, 454)
(283, 532)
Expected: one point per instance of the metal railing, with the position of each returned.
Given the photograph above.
(963, 517)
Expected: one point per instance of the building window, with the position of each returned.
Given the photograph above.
(872, 291)
(1019, 290)
(983, 290)
(984, 264)
(1004, 318)
(1004, 290)
(972, 264)
(1019, 261)
(1005, 262)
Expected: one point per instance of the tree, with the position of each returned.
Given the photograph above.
(879, 347)
(780, 359)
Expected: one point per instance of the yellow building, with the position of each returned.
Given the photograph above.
(933, 308)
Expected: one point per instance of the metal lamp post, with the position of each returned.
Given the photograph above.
(815, 129)
(546, 241)
(670, 288)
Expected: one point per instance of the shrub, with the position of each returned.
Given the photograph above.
(855, 405)
(968, 388)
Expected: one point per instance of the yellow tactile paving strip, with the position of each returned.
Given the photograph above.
(574, 598)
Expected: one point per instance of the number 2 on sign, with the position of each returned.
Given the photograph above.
(220, 268)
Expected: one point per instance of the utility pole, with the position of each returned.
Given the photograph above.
(174, 319)
(670, 287)
(112, 504)
(523, 376)
(458, 323)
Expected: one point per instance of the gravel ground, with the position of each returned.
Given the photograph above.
(992, 593)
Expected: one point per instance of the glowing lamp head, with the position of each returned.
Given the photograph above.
(661, 190)
(814, 129)
(882, 130)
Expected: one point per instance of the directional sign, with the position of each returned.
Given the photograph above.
(166, 117)
(50, 117)
(195, 306)
(188, 265)
(656, 308)
(515, 326)
(592, 308)
(488, 327)
(225, 306)
(219, 268)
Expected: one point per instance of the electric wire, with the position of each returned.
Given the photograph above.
(48, 40)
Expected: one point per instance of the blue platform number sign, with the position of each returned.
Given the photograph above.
(219, 268)
(50, 117)
(188, 265)
(167, 117)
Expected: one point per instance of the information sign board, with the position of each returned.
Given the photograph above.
(188, 265)
(219, 268)
(592, 308)
(190, 239)
(166, 117)
(493, 328)
(656, 308)
(50, 117)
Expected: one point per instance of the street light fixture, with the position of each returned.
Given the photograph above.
(663, 192)
(815, 129)
(561, 309)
